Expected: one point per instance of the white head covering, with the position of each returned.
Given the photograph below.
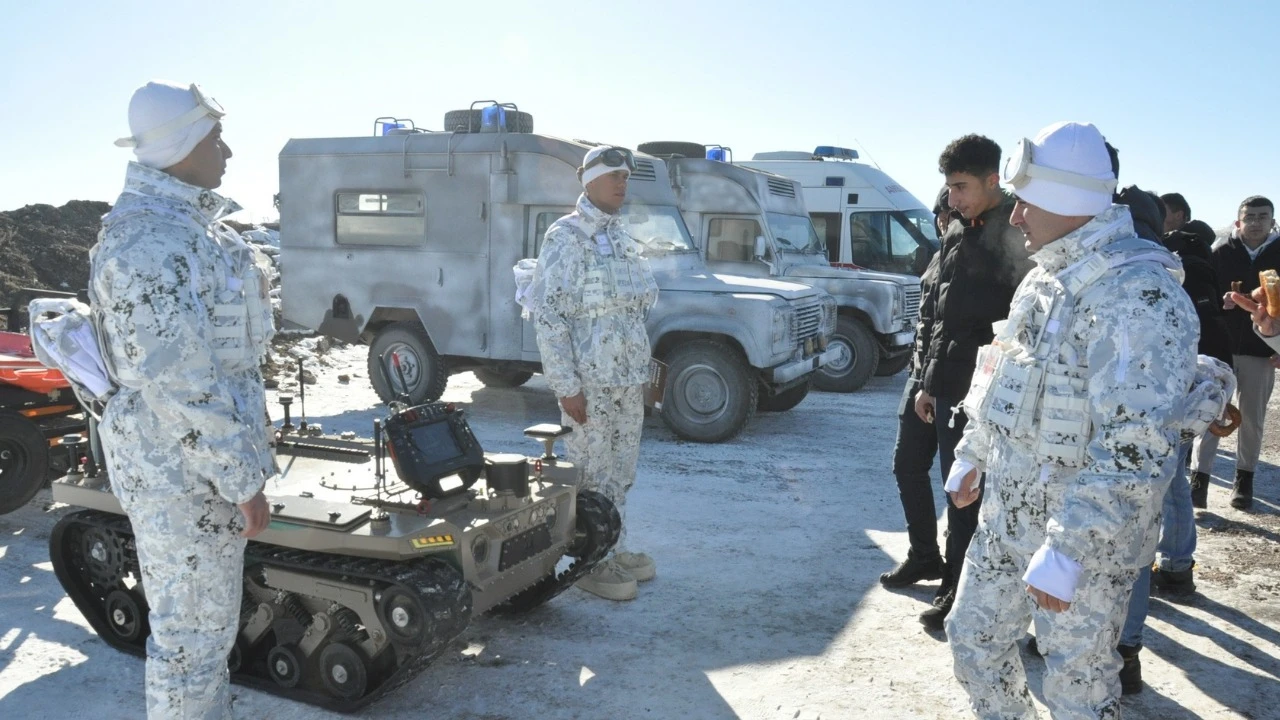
(155, 105)
(598, 169)
(1075, 148)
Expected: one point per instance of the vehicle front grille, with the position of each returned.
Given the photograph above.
(912, 309)
(808, 321)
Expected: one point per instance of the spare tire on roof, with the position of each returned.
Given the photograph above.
(469, 121)
(673, 148)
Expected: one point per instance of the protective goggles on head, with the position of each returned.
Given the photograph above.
(614, 157)
(205, 105)
(1021, 169)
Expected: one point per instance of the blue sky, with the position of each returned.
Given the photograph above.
(1187, 90)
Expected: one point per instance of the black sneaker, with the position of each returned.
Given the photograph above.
(1168, 583)
(933, 618)
(1131, 672)
(911, 571)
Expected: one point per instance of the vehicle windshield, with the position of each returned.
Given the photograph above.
(923, 221)
(795, 233)
(658, 228)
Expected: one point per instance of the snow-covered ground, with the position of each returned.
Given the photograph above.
(766, 603)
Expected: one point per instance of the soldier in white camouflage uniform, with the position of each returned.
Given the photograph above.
(592, 292)
(185, 318)
(1075, 414)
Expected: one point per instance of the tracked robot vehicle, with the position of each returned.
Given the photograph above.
(348, 596)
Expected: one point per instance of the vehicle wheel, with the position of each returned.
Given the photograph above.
(502, 379)
(402, 614)
(343, 671)
(711, 391)
(24, 460)
(889, 367)
(858, 358)
(468, 121)
(126, 616)
(784, 400)
(423, 368)
(683, 149)
(284, 665)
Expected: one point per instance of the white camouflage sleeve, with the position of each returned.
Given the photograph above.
(163, 336)
(555, 283)
(1140, 338)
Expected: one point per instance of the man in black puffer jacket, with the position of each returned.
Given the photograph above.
(1250, 248)
(981, 261)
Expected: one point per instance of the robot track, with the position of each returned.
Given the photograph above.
(598, 525)
(329, 630)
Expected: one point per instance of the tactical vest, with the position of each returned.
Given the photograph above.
(1020, 388)
(241, 315)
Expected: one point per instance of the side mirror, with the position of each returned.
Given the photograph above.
(761, 248)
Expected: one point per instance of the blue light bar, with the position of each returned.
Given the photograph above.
(836, 153)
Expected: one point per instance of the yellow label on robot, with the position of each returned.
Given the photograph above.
(420, 543)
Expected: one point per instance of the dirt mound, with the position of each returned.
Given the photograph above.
(48, 247)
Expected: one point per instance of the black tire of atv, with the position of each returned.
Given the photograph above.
(784, 400)
(426, 374)
(683, 149)
(889, 367)
(698, 371)
(501, 379)
(468, 121)
(24, 461)
(857, 363)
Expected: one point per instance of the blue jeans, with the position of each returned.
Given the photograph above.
(1174, 553)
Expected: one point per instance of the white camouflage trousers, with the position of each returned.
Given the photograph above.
(607, 448)
(192, 560)
(1082, 667)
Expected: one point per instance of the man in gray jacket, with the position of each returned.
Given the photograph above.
(185, 318)
(1075, 413)
(591, 292)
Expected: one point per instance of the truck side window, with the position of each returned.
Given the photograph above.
(732, 239)
(904, 249)
(540, 225)
(827, 225)
(380, 218)
(868, 241)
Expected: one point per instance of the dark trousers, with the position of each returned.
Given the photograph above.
(913, 456)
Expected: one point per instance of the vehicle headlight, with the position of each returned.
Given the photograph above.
(828, 316)
(900, 305)
(781, 337)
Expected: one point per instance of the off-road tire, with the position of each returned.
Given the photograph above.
(858, 361)
(784, 400)
(501, 378)
(711, 391)
(889, 367)
(468, 121)
(24, 460)
(667, 148)
(425, 371)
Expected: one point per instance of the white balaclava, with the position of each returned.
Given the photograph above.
(156, 106)
(598, 169)
(1077, 149)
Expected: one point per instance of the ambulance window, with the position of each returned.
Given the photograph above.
(904, 248)
(380, 218)
(827, 225)
(868, 239)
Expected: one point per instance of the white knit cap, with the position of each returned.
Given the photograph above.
(1077, 149)
(153, 106)
(598, 169)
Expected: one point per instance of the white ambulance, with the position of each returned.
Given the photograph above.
(868, 219)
